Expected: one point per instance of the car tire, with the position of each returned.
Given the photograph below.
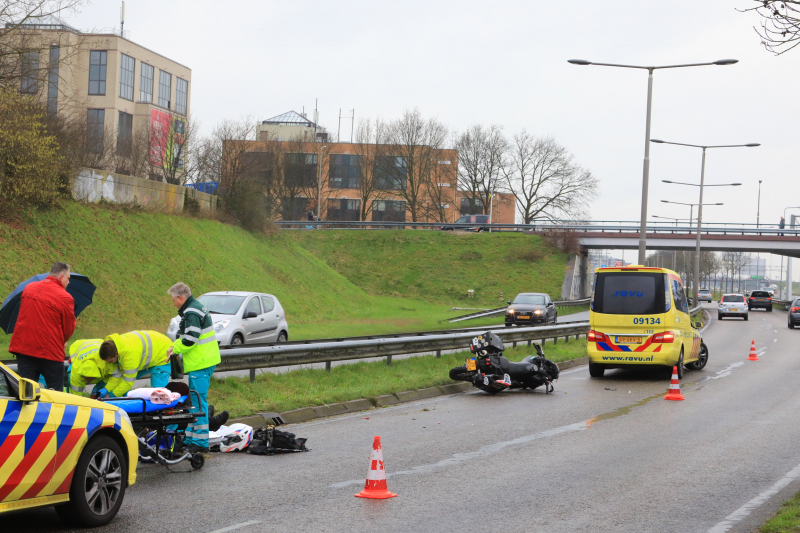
(680, 366)
(94, 508)
(769, 309)
(702, 359)
(596, 370)
(282, 337)
(555, 319)
(791, 325)
(746, 317)
(237, 340)
(719, 316)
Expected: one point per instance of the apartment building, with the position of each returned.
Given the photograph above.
(120, 87)
(368, 182)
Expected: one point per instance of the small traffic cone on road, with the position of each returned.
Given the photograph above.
(375, 487)
(753, 354)
(674, 392)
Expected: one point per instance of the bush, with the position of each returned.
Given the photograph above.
(30, 161)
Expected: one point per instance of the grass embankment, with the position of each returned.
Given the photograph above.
(786, 520)
(134, 257)
(311, 387)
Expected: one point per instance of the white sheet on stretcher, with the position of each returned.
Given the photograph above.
(157, 395)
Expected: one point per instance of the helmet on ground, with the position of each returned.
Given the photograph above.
(238, 439)
(486, 343)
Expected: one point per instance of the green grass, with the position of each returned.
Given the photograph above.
(322, 278)
(440, 266)
(786, 520)
(311, 387)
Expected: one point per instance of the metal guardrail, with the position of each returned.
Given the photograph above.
(577, 226)
(326, 352)
(489, 313)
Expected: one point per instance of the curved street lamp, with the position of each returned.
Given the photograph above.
(646, 169)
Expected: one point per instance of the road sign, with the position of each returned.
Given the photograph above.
(756, 277)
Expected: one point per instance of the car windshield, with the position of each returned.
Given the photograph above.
(733, 299)
(529, 299)
(221, 304)
(760, 294)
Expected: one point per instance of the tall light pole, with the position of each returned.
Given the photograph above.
(646, 169)
(319, 183)
(696, 277)
(691, 208)
(758, 225)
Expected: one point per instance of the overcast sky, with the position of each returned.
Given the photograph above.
(505, 62)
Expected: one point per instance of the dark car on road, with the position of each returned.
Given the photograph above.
(760, 300)
(794, 313)
(476, 223)
(531, 308)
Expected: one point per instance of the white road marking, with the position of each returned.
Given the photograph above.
(485, 451)
(775, 340)
(742, 512)
(725, 372)
(236, 526)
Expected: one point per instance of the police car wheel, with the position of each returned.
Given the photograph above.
(98, 484)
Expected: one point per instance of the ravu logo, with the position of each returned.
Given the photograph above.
(629, 294)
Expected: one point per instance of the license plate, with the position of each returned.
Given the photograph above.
(471, 364)
(629, 340)
(524, 316)
(735, 310)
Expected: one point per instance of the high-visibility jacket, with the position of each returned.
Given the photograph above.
(196, 340)
(137, 350)
(87, 367)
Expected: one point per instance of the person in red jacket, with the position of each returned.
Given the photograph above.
(45, 323)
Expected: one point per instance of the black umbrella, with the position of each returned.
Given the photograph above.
(80, 288)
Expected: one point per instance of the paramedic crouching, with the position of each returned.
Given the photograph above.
(197, 344)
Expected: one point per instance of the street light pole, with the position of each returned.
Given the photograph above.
(319, 183)
(646, 166)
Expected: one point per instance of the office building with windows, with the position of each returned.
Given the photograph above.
(121, 88)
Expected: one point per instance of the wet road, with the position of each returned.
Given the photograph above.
(598, 455)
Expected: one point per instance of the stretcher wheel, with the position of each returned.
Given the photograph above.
(198, 461)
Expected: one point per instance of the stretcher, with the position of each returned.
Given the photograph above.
(147, 417)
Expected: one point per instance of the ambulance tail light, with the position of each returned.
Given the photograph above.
(596, 336)
(667, 337)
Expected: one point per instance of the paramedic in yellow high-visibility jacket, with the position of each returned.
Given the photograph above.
(135, 353)
(86, 367)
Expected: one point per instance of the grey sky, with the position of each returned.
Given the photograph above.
(504, 62)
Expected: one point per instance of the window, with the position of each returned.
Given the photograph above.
(146, 83)
(124, 134)
(678, 294)
(268, 303)
(127, 70)
(733, 299)
(300, 170)
(52, 80)
(221, 304)
(164, 88)
(345, 171)
(181, 95)
(97, 72)
(30, 72)
(530, 299)
(294, 208)
(391, 172)
(344, 210)
(253, 306)
(629, 293)
(388, 211)
(95, 128)
(471, 206)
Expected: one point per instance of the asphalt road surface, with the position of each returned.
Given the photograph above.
(597, 455)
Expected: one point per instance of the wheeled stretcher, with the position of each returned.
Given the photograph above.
(147, 417)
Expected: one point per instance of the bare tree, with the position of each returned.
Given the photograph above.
(366, 148)
(780, 24)
(545, 181)
(481, 163)
(406, 162)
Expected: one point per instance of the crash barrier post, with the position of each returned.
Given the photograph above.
(328, 366)
(389, 360)
(302, 353)
(252, 375)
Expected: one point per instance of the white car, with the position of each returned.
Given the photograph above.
(732, 305)
(242, 318)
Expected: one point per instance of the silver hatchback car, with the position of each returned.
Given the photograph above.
(732, 305)
(242, 317)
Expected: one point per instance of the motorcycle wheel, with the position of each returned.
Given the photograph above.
(460, 373)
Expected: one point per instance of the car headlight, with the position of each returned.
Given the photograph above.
(510, 311)
(537, 312)
(222, 324)
(124, 416)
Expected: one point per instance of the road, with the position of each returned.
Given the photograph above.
(598, 455)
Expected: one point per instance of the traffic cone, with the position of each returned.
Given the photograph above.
(674, 392)
(375, 487)
(753, 355)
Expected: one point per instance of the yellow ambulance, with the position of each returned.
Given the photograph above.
(640, 317)
(64, 450)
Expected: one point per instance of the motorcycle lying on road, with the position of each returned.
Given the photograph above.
(490, 372)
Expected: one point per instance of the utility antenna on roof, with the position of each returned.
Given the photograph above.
(122, 20)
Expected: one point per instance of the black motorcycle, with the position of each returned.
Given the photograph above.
(490, 372)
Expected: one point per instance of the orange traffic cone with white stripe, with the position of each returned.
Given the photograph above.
(674, 392)
(753, 354)
(375, 487)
